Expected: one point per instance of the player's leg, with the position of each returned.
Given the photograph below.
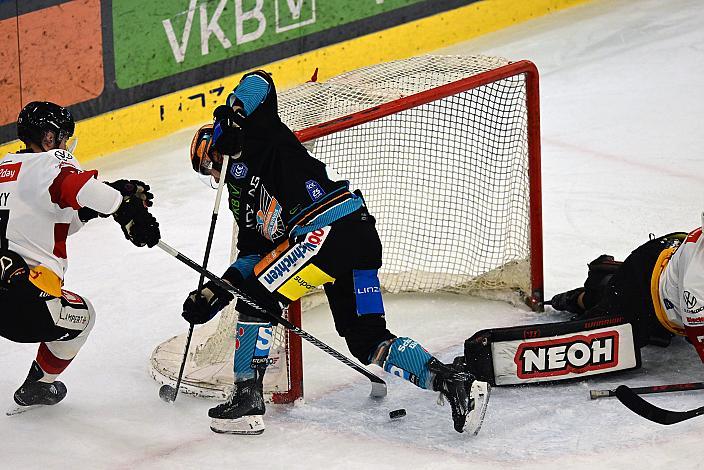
(633, 295)
(357, 306)
(60, 325)
(244, 409)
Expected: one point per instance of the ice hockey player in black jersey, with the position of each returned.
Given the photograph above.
(45, 196)
(300, 227)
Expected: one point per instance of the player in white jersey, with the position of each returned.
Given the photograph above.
(45, 196)
(659, 288)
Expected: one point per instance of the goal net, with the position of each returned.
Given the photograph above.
(446, 152)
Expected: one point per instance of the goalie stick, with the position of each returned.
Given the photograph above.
(167, 392)
(647, 410)
(378, 384)
(594, 394)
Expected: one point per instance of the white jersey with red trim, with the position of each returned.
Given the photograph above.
(40, 194)
(682, 289)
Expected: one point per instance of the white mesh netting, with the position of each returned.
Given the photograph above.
(447, 180)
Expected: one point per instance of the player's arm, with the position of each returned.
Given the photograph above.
(126, 200)
(229, 119)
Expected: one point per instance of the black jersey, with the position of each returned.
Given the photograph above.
(277, 190)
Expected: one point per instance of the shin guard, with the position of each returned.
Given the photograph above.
(409, 360)
(252, 346)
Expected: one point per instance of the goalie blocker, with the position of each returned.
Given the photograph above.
(551, 352)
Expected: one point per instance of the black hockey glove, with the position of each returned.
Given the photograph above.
(86, 214)
(227, 129)
(134, 188)
(202, 305)
(138, 225)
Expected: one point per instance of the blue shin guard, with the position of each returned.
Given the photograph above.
(252, 346)
(409, 360)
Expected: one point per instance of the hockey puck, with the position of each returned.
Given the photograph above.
(397, 414)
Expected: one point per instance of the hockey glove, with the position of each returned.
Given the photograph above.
(202, 305)
(134, 188)
(138, 225)
(227, 129)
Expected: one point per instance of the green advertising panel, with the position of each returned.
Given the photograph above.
(158, 39)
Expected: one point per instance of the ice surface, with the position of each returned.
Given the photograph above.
(622, 137)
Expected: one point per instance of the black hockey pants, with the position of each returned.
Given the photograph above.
(352, 244)
(628, 292)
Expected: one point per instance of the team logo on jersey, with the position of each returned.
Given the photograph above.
(292, 260)
(568, 355)
(9, 172)
(315, 191)
(269, 221)
(690, 301)
(63, 155)
(238, 171)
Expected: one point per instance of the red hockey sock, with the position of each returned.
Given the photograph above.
(51, 365)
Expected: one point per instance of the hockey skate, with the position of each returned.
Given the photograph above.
(243, 412)
(468, 397)
(33, 393)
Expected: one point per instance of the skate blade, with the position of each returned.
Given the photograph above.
(19, 409)
(480, 394)
(246, 425)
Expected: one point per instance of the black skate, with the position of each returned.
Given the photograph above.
(33, 393)
(567, 301)
(243, 412)
(468, 397)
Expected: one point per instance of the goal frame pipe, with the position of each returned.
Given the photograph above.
(529, 70)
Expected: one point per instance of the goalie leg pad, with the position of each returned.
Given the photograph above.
(552, 351)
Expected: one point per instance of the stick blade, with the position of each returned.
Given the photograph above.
(647, 410)
(167, 393)
(378, 389)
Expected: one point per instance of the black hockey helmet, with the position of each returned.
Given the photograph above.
(39, 117)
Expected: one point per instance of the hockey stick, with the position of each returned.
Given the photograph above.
(647, 410)
(167, 392)
(594, 394)
(378, 384)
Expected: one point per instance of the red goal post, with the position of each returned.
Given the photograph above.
(446, 150)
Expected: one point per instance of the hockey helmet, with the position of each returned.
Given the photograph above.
(204, 156)
(39, 117)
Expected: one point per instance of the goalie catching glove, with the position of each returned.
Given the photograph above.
(138, 225)
(203, 304)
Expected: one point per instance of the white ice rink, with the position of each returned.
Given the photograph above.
(622, 135)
